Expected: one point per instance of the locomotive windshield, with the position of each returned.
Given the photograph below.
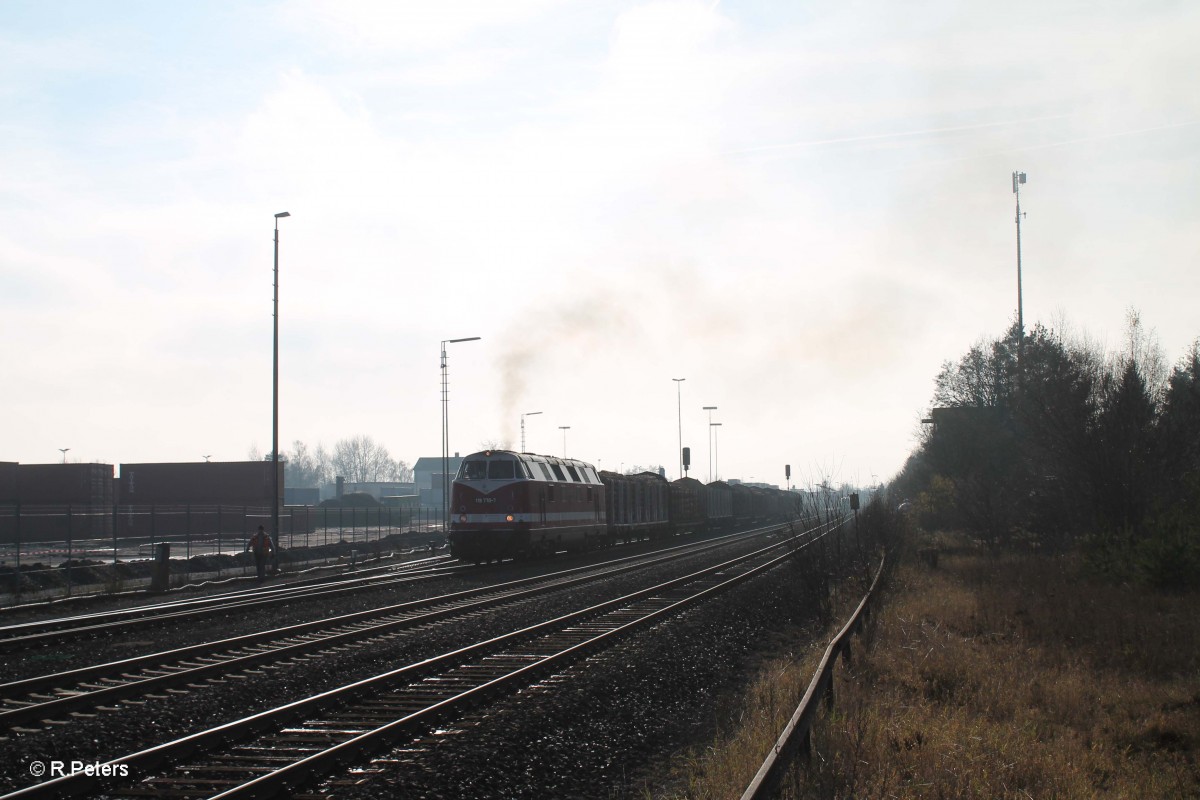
(474, 470)
(500, 470)
(477, 469)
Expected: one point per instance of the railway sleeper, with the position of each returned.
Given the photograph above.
(458, 680)
(310, 738)
(418, 696)
(258, 751)
(331, 727)
(198, 782)
(369, 718)
(218, 769)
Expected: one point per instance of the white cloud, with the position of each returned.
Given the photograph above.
(371, 26)
(803, 220)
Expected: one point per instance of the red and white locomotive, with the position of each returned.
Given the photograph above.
(513, 505)
(505, 504)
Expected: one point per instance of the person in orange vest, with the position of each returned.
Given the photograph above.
(261, 544)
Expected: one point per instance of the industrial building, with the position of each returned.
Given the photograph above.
(427, 474)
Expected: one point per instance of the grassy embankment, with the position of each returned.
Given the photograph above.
(995, 676)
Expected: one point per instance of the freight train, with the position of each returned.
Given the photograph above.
(520, 505)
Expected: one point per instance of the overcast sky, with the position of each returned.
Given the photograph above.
(801, 208)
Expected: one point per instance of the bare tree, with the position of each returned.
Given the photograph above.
(306, 467)
(1146, 356)
(324, 463)
(984, 377)
(361, 459)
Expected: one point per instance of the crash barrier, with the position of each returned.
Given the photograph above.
(797, 734)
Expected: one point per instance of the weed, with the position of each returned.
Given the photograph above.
(996, 675)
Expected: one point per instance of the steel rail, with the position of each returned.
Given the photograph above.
(357, 576)
(153, 757)
(140, 674)
(297, 773)
(215, 606)
(48, 631)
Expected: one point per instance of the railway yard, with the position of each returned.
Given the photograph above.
(570, 676)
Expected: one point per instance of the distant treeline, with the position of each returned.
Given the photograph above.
(359, 459)
(1054, 442)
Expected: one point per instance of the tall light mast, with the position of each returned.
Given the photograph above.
(1018, 178)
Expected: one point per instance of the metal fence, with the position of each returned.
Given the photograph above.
(39, 540)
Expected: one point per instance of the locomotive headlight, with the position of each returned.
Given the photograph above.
(509, 518)
(462, 518)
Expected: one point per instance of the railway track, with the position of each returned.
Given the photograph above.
(285, 748)
(113, 687)
(43, 633)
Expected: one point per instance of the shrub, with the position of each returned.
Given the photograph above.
(1165, 558)
(1169, 558)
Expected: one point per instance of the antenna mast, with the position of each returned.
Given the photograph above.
(1018, 178)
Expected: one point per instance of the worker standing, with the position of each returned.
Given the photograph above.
(261, 544)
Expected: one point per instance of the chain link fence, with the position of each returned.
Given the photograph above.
(53, 550)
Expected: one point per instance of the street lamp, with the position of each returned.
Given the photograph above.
(275, 393)
(64, 450)
(709, 409)
(446, 433)
(206, 459)
(716, 451)
(523, 416)
(564, 429)
(679, 404)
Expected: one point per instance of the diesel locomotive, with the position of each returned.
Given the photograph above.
(519, 505)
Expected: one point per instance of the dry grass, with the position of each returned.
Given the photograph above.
(996, 677)
(722, 769)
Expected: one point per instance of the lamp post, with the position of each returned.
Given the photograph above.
(446, 433)
(523, 416)
(716, 452)
(564, 429)
(710, 409)
(275, 393)
(64, 451)
(206, 459)
(679, 404)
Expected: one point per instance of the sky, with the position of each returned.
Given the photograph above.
(802, 209)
